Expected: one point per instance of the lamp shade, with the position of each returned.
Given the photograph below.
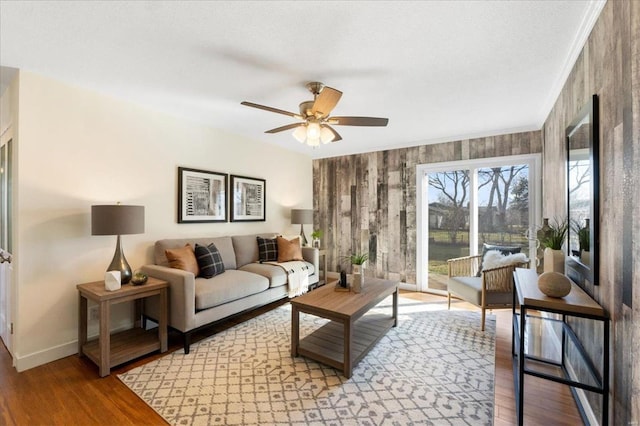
(301, 216)
(117, 220)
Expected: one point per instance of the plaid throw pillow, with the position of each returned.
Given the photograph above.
(209, 260)
(267, 249)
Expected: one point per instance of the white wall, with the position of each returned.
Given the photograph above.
(77, 148)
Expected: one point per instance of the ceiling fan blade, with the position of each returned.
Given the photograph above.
(325, 102)
(336, 135)
(283, 128)
(271, 109)
(358, 121)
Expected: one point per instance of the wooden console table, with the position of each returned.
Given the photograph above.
(110, 350)
(528, 357)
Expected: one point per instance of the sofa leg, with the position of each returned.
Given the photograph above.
(482, 320)
(187, 342)
(448, 301)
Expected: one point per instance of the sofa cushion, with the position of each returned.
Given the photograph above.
(209, 260)
(227, 287)
(267, 249)
(246, 247)
(275, 274)
(289, 250)
(183, 258)
(224, 245)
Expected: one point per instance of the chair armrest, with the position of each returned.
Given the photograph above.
(312, 255)
(501, 278)
(466, 266)
(182, 295)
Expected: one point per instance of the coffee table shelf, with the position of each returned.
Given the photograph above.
(326, 344)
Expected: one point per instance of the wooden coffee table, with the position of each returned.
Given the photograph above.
(350, 334)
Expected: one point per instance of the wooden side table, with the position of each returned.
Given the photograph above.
(109, 349)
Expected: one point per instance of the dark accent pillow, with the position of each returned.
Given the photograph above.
(209, 260)
(267, 249)
(505, 250)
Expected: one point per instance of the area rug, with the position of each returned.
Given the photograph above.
(436, 367)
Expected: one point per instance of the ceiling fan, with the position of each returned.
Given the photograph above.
(315, 122)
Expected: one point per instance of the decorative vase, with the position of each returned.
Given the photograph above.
(358, 278)
(316, 243)
(554, 284)
(540, 236)
(585, 257)
(553, 260)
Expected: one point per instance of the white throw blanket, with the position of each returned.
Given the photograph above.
(297, 276)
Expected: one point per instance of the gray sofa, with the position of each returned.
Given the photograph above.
(196, 302)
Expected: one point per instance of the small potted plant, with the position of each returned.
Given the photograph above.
(357, 268)
(315, 238)
(552, 240)
(357, 261)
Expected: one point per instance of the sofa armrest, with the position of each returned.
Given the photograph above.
(312, 255)
(182, 295)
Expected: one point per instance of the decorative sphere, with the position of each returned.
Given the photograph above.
(139, 278)
(554, 284)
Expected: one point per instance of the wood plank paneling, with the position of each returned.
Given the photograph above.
(375, 197)
(609, 67)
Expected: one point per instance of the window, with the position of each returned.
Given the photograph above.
(464, 204)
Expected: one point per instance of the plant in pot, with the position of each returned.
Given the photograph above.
(315, 238)
(357, 268)
(552, 240)
(584, 242)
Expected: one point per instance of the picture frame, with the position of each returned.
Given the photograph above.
(202, 196)
(248, 197)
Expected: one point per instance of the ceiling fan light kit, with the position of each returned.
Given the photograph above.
(315, 126)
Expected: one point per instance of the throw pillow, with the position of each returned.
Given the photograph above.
(267, 249)
(209, 260)
(183, 258)
(502, 249)
(495, 259)
(289, 250)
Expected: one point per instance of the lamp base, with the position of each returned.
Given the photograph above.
(119, 263)
(303, 238)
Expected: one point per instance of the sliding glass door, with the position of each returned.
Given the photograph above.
(466, 204)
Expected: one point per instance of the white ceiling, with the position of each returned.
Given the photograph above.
(439, 70)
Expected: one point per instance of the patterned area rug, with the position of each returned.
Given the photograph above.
(436, 367)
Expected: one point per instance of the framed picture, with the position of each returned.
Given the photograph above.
(202, 196)
(247, 199)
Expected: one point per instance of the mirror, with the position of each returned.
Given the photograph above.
(582, 195)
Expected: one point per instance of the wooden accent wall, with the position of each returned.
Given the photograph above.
(609, 66)
(367, 202)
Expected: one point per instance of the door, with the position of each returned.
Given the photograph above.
(465, 204)
(6, 243)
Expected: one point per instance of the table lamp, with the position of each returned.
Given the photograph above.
(300, 217)
(118, 220)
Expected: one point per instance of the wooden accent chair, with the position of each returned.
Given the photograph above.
(493, 288)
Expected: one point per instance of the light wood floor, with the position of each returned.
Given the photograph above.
(69, 391)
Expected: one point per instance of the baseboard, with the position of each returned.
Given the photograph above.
(409, 287)
(582, 397)
(45, 356)
(35, 359)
